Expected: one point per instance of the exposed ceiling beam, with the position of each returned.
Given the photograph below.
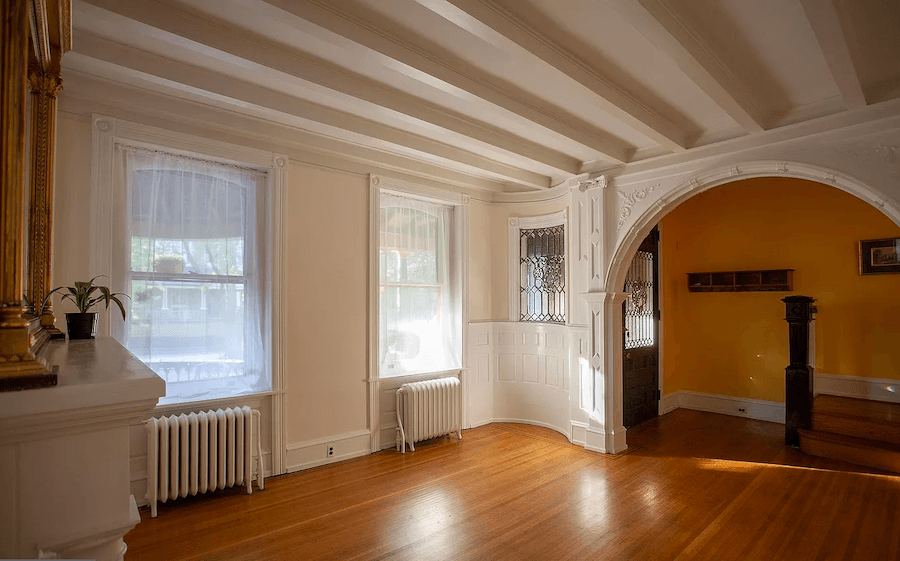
(826, 25)
(613, 100)
(202, 79)
(663, 28)
(202, 29)
(86, 94)
(370, 29)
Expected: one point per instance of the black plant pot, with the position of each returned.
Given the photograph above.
(82, 326)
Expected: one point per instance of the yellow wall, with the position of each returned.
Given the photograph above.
(736, 344)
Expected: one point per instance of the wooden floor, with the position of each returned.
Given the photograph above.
(691, 486)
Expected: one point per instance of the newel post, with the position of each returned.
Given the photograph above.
(798, 386)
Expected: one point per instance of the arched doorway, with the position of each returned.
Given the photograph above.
(689, 189)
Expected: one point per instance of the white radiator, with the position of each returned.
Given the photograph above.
(200, 452)
(427, 410)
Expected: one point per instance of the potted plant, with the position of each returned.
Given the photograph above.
(83, 324)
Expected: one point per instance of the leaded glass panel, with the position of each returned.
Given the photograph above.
(639, 309)
(542, 266)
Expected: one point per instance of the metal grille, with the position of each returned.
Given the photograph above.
(639, 320)
(542, 266)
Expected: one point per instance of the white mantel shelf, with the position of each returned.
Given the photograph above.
(64, 453)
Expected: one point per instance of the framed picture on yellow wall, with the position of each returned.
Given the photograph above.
(879, 256)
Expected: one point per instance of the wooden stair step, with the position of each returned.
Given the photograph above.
(862, 418)
(858, 408)
(860, 451)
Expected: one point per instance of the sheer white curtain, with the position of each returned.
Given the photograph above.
(191, 248)
(420, 307)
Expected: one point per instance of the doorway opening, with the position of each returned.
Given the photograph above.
(640, 324)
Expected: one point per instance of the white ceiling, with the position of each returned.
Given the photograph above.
(518, 94)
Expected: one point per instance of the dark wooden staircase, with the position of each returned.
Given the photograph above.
(859, 431)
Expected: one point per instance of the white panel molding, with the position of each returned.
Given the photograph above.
(826, 25)
(278, 178)
(878, 389)
(761, 410)
(611, 98)
(662, 27)
(204, 29)
(372, 30)
(245, 92)
(373, 383)
(313, 453)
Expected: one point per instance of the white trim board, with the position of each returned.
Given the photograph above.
(879, 389)
(313, 453)
(758, 409)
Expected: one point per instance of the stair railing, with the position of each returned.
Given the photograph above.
(798, 384)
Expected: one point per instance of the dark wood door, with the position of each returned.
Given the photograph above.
(640, 368)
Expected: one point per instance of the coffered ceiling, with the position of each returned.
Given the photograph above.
(518, 95)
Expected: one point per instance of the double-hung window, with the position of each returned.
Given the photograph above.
(196, 264)
(419, 286)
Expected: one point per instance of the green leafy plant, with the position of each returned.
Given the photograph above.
(85, 295)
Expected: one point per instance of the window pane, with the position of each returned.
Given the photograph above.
(542, 266)
(197, 312)
(419, 329)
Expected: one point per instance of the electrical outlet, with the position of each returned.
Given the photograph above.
(741, 410)
(329, 451)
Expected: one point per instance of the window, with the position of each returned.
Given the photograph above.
(195, 262)
(419, 287)
(538, 269)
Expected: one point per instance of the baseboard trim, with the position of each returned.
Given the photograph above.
(878, 389)
(668, 403)
(761, 410)
(313, 453)
(579, 434)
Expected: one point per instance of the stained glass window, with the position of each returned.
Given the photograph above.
(639, 309)
(542, 266)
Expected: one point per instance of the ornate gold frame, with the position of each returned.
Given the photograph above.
(45, 26)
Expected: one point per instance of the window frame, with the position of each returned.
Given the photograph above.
(457, 266)
(107, 132)
(518, 223)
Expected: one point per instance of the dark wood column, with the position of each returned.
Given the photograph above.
(798, 387)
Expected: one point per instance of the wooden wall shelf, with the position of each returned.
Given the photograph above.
(742, 281)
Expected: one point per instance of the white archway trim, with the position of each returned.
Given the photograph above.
(608, 389)
(706, 180)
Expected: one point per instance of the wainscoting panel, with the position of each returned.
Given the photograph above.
(506, 367)
(479, 392)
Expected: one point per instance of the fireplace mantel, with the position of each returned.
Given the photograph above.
(64, 453)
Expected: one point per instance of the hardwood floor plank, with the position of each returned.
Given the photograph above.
(693, 486)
